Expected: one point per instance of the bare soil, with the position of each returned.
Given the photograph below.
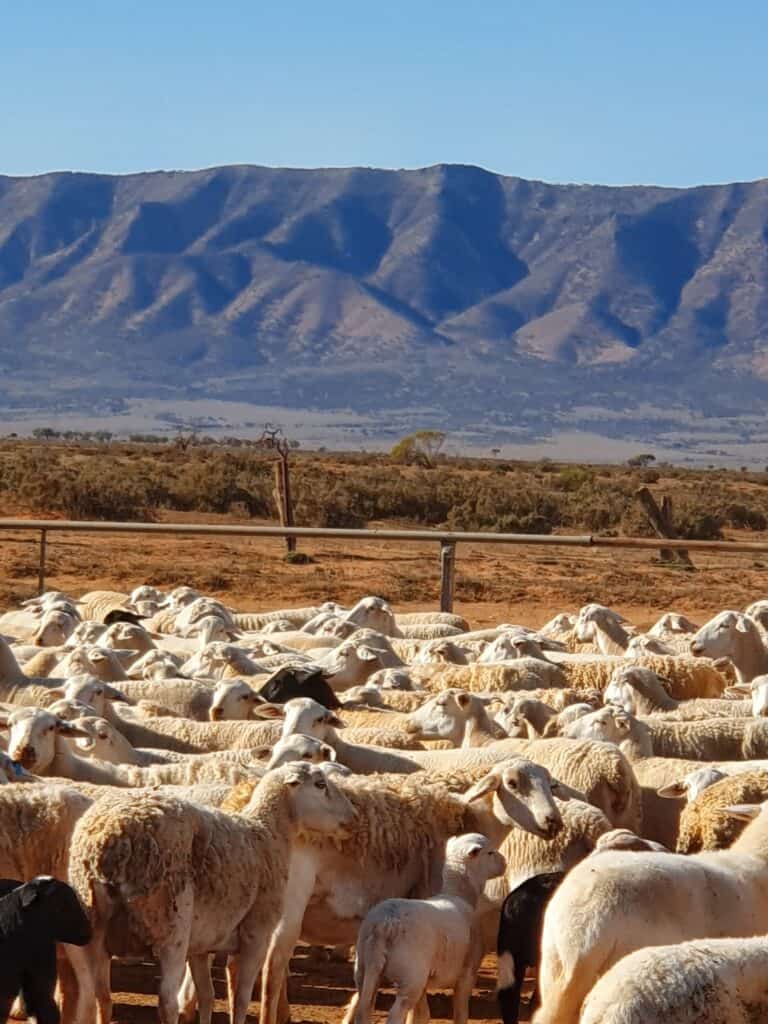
(318, 991)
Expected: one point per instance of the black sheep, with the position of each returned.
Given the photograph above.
(522, 917)
(289, 682)
(34, 916)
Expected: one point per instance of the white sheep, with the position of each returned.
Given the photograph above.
(610, 905)
(707, 981)
(736, 637)
(188, 881)
(419, 945)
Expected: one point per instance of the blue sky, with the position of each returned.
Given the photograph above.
(615, 92)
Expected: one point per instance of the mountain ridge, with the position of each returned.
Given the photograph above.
(457, 286)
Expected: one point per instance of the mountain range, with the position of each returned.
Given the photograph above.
(448, 294)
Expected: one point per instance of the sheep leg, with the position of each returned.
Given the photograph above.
(461, 993)
(301, 881)
(172, 958)
(420, 1013)
(188, 997)
(200, 968)
(405, 1001)
(250, 961)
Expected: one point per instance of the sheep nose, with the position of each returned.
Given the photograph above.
(25, 756)
(554, 823)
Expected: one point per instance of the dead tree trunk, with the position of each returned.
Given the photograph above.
(663, 526)
(282, 493)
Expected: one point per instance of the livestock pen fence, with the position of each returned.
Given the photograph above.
(447, 541)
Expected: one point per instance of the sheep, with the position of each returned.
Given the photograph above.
(671, 622)
(736, 637)
(599, 771)
(127, 636)
(304, 715)
(357, 658)
(623, 839)
(34, 916)
(155, 665)
(431, 943)
(297, 617)
(55, 628)
(370, 695)
(639, 691)
(457, 716)
(417, 618)
(105, 663)
(37, 742)
(201, 608)
(519, 937)
(430, 631)
(600, 625)
(534, 718)
(704, 826)
(638, 646)
(396, 849)
(193, 881)
(521, 674)
(97, 604)
(611, 904)
(559, 627)
(709, 981)
(444, 651)
(187, 737)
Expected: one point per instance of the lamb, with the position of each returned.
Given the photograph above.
(639, 691)
(736, 637)
(704, 826)
(194, 881)
(519, 938)
(430, 943)
(709, 981)
(600, 913)
(34, 916)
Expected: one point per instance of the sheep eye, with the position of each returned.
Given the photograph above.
(512, 783)
(320, 784)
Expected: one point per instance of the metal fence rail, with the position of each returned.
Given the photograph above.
(448, 540)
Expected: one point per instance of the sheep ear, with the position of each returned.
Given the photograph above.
(489, 784)
(672, 791)
(366, 653)
(261, 753)
(742, 624)
(329, 754)
(269, 711)
(330, 719)
(745, 812)
(667, 684)
(67, 729)
(474, 851)
(29, 894)
(112, 693)
(463, 699)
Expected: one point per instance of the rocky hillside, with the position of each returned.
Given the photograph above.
(448, 286)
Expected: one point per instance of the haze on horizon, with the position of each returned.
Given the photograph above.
(668, 94)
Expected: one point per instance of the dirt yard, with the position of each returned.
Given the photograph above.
(494, 583)
(318, 993)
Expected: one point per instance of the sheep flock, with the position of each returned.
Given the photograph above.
(584, 802)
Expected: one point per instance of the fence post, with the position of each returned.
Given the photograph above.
(41, 567)
(447, 568)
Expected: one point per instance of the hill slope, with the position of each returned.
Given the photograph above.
(448, 287)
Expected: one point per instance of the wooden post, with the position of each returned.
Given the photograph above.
(447, 570)
(663, 526)
(282, 495)
(290, 542)
(41, 566)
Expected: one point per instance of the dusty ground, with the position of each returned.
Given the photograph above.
(493, 583)
(318, 992)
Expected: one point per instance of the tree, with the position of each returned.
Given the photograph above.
(422, 447)
(641, 461)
